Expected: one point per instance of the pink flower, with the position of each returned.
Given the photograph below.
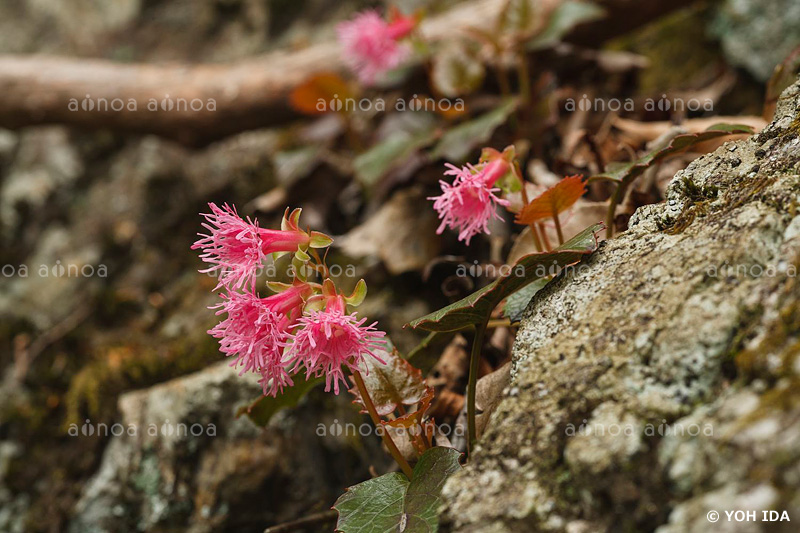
(237, 248)
(254, 332)
(470, 201)
(370, 44)
(324, 341)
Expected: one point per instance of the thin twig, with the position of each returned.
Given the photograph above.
(301, 523)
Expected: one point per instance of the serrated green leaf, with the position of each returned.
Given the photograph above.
(475, 308)
(456, 145)
(374, 506)
(565, 17)
(423, 497)
(627, 172)
(517, 302)
(393, 503)
(264, 408)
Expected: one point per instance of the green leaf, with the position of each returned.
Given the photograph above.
(458, 142)
(385, 156)
(475, 308)
(517, 303)
(376, 505)
(423, 497)
(264, 408)
(393, 503)
(565, 17)
(627, 172)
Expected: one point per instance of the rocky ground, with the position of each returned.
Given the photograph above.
(658, 381)
(648, 334)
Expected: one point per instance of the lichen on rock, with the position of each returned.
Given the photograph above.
(640, 377)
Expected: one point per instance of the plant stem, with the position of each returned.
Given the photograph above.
(526, 201)
(373, 414)
(544, 238)
(612, 209)
(502, 80)
(536, 241)
(498, 323)
(558, 228)
(474, 365)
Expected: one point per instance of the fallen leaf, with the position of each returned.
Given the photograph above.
(488, 393)
(320, 94)
(401, 233)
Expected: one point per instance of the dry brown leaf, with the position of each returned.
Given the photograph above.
(402, 233)
(489, 392)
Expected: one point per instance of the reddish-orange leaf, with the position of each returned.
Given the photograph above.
(321, 93)
(553, 201)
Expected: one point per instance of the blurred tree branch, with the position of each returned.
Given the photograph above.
(246, 95)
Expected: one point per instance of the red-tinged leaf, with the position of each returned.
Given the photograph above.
(553, 201)
(475, 308)
(411, 419)
(391, 385)
(627, 172)
(319, 94)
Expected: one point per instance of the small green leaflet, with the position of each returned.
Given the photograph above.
(627, 172)
(475, 308)
(393, 503)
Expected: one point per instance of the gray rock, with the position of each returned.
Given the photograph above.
(758, 34)
(679, 336)
(178, 458)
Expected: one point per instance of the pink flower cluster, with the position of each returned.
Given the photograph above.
(370, 44)
(304, 326)
(470, 201)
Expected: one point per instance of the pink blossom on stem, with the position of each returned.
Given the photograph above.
(370, 44)
(470, 201)
(254, 332)
(236, 248)
(325, 341)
